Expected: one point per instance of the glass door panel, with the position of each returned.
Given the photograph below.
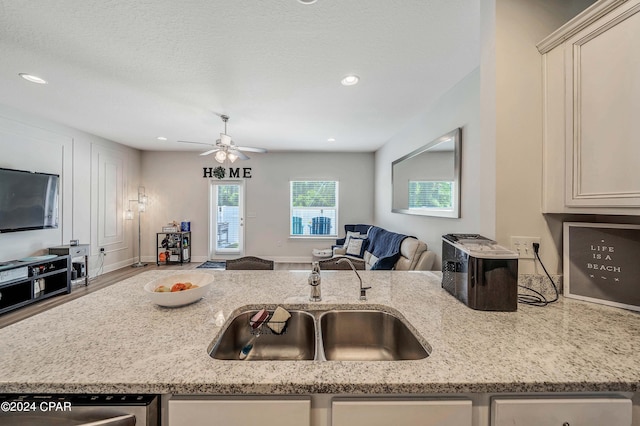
(227, 218)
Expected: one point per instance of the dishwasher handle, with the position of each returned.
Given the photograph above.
(122, 420)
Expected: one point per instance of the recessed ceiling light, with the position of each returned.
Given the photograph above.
(32, 78)
(161, 138)
(307, 1)
(350, 80)
(331, 140)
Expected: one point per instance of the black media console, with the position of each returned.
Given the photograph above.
(31, 279)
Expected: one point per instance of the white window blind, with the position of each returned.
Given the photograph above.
(431, 195)
(314, 208)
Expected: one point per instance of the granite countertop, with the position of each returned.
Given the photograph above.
(115, 340)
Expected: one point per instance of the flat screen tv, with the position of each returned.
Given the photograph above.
(28, 200)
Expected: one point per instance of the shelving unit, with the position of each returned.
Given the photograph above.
(74, 252)
(23, 282)
(173, 247)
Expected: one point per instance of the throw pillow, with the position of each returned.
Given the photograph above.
(357, 246)
(351, 234)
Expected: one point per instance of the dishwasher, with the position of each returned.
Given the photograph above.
(79, 410)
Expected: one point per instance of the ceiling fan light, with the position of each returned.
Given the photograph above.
(232, 157)
(220, 156)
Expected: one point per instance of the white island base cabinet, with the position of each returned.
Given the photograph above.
(246, 411)
(361, 412)
(561, 412)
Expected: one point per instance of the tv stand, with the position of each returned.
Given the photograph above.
(29, 280)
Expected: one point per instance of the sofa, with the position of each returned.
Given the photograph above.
(381, 249)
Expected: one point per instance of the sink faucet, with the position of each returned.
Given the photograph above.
(314, 282)
(363, 290)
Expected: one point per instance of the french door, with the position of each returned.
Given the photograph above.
(226, 216)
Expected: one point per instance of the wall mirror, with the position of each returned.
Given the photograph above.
(427, 181)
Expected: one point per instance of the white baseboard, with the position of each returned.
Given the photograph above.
(112, 267)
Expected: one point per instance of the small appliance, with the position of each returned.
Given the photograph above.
(479, 272)
(79, 269)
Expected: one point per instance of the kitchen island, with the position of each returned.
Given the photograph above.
(116, 341)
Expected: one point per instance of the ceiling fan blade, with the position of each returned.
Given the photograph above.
(211, 151)
(250, 149)
(197, 143)
(239, 154)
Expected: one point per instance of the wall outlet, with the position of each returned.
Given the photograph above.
(524, 246)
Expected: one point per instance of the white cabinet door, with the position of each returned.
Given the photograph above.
(591, 101)
(373, 412)
(602, 126)
(561, 412)
(230, 412)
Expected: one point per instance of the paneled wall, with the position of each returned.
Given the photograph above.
(97, 177)
(35, 149)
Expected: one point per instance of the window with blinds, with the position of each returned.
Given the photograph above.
(431, 195)
(314, 208)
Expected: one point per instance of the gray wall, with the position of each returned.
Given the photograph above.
(178, 191)
(459, 107)
(520, 24)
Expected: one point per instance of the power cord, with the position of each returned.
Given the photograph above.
(99, 268)
(537, 299)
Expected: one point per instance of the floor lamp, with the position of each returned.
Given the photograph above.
(142, 205)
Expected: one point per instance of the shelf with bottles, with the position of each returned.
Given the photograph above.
(173, 247)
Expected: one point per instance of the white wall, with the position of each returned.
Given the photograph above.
(459, 107)
(177, 191)
(520, 24)
(30, 143)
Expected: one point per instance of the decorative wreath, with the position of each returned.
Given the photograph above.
(219, 172)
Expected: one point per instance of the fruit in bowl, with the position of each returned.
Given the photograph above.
(178, 289)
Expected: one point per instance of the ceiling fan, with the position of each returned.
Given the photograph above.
(225, 148)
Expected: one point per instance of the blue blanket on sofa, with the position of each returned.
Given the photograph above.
(384, 245)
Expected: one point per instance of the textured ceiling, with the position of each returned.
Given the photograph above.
(130, 71)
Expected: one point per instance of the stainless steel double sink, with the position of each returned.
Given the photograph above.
(323, 335)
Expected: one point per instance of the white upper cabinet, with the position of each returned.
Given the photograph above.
(591, 146)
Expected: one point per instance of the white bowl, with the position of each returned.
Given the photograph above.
(179, 298)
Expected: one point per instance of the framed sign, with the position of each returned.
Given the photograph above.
(601, 263)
